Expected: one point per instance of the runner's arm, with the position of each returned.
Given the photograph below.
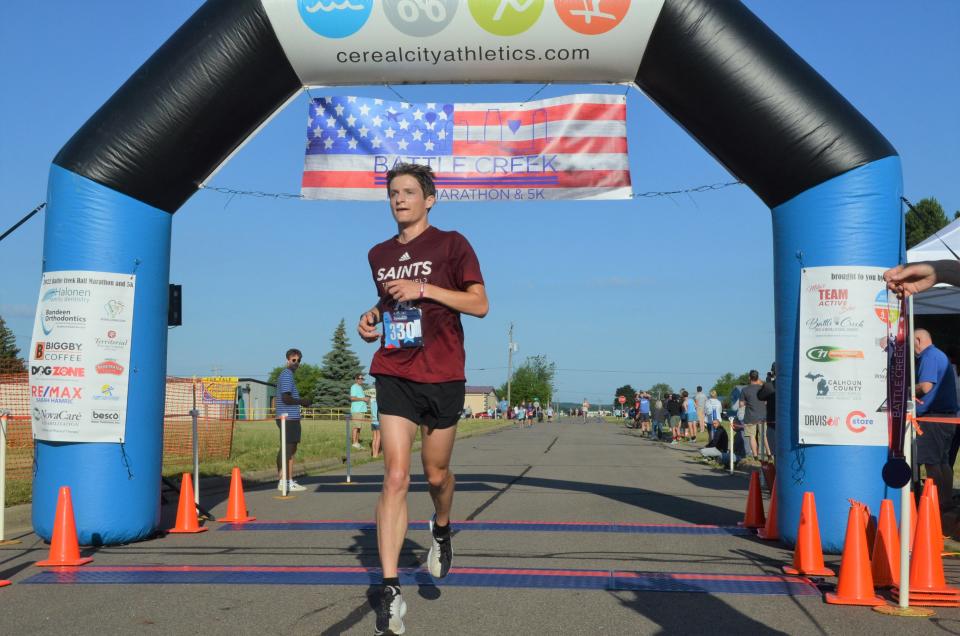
(472, 301)
(367, 326)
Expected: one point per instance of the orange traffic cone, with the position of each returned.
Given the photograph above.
(187, 522)
(753, 517)
(769, 470)
(64, 549)
(855, 585)
(930, 490)
(236, 508)
(808, 555)
(927, 583)
(4, 583)
(913, 520)
(886, 548)
(770, 532)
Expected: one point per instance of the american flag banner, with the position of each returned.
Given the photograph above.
(571, 147)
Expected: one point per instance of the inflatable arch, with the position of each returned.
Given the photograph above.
(830, 178)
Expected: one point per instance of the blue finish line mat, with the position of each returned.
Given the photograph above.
(612, 580)
(497, 526)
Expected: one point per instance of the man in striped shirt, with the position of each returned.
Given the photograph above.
(289, 403)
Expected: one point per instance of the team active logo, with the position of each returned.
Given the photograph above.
(506, 17)
(333, 19)
(420, 18)
(592, 17)
(832, 354)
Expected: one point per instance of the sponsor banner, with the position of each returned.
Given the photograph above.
(570, 147)
(219, 390)
(79, 356)
(338, 42)
(844, 319)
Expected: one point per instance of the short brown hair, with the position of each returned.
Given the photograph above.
(423, 175)
(294, 352)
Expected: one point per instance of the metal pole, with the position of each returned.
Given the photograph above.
(194, 414)
(346, 419)
(509, 364)
(907, 491)
(731, 445)
(3, 471)
(284, 476)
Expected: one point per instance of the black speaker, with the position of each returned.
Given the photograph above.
(175, 313)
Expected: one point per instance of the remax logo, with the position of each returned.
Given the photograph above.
(55, 392)
(857, 421)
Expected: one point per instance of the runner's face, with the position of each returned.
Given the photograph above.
(407, 202)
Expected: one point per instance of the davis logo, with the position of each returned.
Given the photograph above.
(858, 422)
(333, 19)
(110, 367)
(592, 17)
(887, 307)
(832, 354)
(506, 17)
(420, 18)
(820, 420)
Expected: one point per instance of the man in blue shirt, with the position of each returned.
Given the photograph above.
(289, 403)
(936, 397)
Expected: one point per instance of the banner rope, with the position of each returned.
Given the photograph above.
(23, 220)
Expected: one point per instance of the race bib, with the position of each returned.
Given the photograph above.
(402, 329)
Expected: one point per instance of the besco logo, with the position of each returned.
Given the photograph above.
(832, 354)
(420, 18)
(857, 421)
(886, 307)
(104, 416)
(333, 19)
(595, 19)
(506, 17)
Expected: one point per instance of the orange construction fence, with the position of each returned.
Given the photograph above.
(214, 425)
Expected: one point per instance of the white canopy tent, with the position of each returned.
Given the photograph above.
(942, 299)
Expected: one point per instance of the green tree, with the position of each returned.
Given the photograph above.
(925, 218)
(532, 380)
(626, 391)
(340, 366)
(10, 360)
(725, 383)
(660, 390)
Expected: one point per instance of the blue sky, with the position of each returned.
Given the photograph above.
(674, 289)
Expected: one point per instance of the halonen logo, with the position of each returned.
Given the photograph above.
(420, 18)
(857, 421)
(506, 17)
(67, 295)
(592, 17)
(335, 18)
(832, 354)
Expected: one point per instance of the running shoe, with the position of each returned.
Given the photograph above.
(293, 486)
(390, 613)
(441, 553)
(358, 446)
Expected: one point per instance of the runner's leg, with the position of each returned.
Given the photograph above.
(435, 451)
(396, 435)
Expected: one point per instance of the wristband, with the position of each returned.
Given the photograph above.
(421, 290)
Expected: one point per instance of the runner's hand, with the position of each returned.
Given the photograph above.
(402, 290)
(367, 327)
(911, 279)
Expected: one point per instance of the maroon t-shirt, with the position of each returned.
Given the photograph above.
(444, 259)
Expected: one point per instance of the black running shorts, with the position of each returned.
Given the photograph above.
(293, 431)
(436, 405)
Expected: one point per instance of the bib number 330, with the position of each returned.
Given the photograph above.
(402, 329)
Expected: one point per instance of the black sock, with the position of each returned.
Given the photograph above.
(393, 581)
(441, 532)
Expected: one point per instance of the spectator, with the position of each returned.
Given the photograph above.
(768, 393)
(719, 445)
(692, 418)
(643, 412)
(673, 410)
(289, 403)
(700, 401)
(660, 417)
(549, 414)
(754, 409)
(374, 422)
(358, 409)
(936, 397)
(713, 410)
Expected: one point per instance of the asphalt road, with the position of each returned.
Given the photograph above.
(595, 473)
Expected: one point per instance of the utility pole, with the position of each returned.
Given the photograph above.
(510, 348)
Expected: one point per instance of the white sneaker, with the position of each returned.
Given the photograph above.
(390, 613)
(295, 487)
(358, 446)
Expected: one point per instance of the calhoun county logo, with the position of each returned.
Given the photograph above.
(838, 388)
(832, 354)
(333, 19)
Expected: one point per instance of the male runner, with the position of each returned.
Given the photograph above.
(425, 278)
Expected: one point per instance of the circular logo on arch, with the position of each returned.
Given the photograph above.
(335, 18)
(420, 18)
(592, 17)
(887, 307)
(506, 17)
